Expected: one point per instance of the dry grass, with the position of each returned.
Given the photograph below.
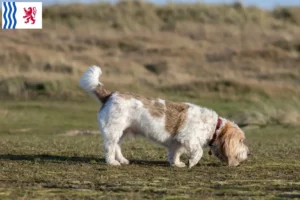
(178, 52)
(153, 47)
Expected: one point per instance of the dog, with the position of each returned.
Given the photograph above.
(183, 128)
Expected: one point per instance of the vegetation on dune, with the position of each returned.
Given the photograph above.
(127, 13)
(135, 39)
(175, 51)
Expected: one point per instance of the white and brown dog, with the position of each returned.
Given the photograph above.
(181, 127)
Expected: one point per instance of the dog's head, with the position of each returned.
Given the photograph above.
(229, 144)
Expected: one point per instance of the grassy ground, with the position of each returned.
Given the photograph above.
(43, 157)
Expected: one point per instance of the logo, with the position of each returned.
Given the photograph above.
(30, 14)
(22, 15)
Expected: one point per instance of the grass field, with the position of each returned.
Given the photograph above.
(243, 62)
(44, 157)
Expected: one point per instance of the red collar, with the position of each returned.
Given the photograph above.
(215, 133)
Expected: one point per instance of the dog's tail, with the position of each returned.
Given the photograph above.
(90, 83)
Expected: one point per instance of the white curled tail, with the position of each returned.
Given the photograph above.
(90, 83)
(90, 79)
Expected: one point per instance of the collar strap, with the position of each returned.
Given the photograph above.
(215, 133)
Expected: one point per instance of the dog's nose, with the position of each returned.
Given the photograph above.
(249, 153)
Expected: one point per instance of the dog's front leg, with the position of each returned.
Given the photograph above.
(196, 154)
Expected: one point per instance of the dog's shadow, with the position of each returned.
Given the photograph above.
(78, 159)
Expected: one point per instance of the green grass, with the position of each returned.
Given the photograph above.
(38, 162)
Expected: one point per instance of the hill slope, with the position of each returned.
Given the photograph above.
(195, 50)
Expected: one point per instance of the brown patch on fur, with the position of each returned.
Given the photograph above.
(176, 114)
(102, 94)
(229, 138)
(156, 109)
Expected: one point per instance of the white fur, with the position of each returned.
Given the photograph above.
(119, 114)
(90, 79)
(120, 117)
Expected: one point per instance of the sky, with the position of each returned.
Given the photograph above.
(266, 4)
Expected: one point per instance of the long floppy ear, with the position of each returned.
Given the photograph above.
(228, 138)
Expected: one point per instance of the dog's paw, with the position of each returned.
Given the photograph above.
(113, 163)
(192, 163)
(124, 161)
(180, 164)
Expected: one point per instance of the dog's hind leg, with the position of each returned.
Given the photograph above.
(113, 153)
(112, 127)
(111, 134)
(112, 144)
(174, 152)
(119, 155)
(111, 147)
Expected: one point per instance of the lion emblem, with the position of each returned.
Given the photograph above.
(30, 15)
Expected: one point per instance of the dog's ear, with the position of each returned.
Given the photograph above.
(229, 139)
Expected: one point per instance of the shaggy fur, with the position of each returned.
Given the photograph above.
(181, 127)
